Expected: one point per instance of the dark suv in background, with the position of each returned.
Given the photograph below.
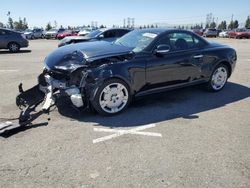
(12, 40)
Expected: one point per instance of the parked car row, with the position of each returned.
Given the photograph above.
(236, 33)
(239, 34)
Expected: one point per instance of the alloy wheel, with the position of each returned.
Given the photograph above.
(219, 78)
(113, 98)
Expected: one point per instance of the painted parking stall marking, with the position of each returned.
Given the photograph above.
(7, 71)
(120, 132)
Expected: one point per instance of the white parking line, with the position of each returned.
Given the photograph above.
(119, 132)
(6, 71)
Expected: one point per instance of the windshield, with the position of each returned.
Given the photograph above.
(28, 30)
(138, 40)
(93, 34)
(240, 30)
(54, 30)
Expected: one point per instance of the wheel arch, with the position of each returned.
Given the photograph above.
(228, 65)
(13, 42)
(122, 79)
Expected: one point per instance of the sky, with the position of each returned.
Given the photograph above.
(109, 12)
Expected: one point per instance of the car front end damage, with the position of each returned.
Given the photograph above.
(54, 85)
(67, 72)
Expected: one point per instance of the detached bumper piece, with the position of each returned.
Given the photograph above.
(27, 101)
(30, 97)
(7, 126)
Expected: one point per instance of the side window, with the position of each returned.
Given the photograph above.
(109, 34)
(120, 32)
(184, 41)
(164, 40)
(4, 32)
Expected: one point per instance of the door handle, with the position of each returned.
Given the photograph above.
(198, 56)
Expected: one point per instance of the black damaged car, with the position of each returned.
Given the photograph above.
(107, 75)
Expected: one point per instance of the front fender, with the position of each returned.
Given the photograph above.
(97, 77)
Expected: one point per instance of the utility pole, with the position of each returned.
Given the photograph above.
(128, 22)
(133, 22)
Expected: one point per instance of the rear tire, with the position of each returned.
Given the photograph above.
(13, 47)
(218, 78)
(112, 97)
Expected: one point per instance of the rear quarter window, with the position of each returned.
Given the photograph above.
(5, 32)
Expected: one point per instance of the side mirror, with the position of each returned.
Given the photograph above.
(162, 49)
(101, 36)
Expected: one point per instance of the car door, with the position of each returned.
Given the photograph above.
(36, 33)
(4, 35)
(181, 65)
(1, 39)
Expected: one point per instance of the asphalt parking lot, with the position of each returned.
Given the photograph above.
(183, 138)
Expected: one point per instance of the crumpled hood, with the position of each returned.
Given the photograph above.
(89, 51)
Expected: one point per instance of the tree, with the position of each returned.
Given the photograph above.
(152, 26)
(222, 25)
(25, 23)
(55, 24)
(21, 24)
(213, 25)
(1, 24)
(48, 26)
(233, 24)
(10, 23)
(102, 26)
(247, 25)
(236, 24)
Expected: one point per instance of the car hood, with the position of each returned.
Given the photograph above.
(51, 32)
(89, 52)
(27, 33)
(77, 38)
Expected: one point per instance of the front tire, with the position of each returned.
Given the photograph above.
(13, 47)
(112, 97)
(218, 78)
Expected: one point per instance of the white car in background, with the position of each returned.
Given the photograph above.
(28, 34)
(223, 34)
(85, 31)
